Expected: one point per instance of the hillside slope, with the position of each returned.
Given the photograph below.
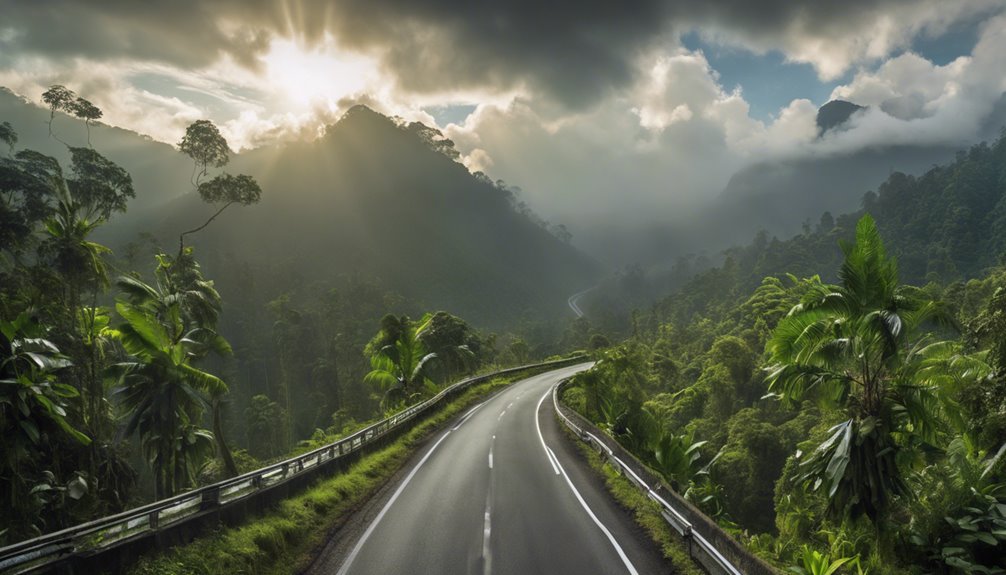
(374, 198)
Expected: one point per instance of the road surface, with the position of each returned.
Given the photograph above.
(499, 492)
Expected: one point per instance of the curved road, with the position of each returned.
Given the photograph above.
(574, 301)
(500, 492)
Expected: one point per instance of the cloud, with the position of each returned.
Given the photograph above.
(654, 151)
(914, 101)
(663, 146)
(835, 36)
(594, 108)
(574, 53)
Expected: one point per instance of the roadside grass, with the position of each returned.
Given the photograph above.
(645, 511)
(283, 540)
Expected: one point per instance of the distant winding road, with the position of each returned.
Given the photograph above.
(574, 301)
(499, 492)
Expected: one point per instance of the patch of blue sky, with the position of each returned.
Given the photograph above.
(450, 113)
(219, 105)
(958, 40)
(767, 81)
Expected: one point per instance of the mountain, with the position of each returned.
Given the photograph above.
(945, 225)
(834, 114)
(782, 196)
(380, 199)
(372, 198)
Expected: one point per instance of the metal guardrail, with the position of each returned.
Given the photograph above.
(37, 553)
(675, 518)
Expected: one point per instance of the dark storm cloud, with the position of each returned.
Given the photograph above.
(572, 51)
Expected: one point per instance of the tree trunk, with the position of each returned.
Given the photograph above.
(159, 475)
(230, 469)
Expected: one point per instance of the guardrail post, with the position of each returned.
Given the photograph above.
(210, 498)
(152, 519)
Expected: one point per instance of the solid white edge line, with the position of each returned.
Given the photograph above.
(541, 437)
(370, 529)
(552, 456)
(611, 538)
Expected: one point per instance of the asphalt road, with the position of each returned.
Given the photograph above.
(500, 491)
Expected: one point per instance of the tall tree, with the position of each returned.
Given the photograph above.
(86, 111)
(207, 147)
(163, 392)
(8, 136)
(201, 306)
(59, 99)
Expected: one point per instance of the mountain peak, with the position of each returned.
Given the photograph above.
(835, 113)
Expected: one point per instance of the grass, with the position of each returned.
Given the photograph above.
(284, 539)
(645, 511)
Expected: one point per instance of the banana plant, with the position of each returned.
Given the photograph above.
(813, 562)
(33, 420)
(163, 393)
(402, 367)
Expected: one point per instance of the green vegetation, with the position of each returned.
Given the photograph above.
(70, 375)
(165, 329)
(287, 535)
(122, 381)
(646, 512)
(835, 426)
(858, 348)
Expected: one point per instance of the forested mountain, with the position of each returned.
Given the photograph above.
(850, 379)
(388, 201)
(945, 225)
(780, 196)
(233, 315)
(382, 197)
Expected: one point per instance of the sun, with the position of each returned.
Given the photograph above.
(306, 75)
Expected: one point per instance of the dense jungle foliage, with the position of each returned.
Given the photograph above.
(836, 400)
(122, 379)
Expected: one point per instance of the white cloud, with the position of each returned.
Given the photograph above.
(914, 101)
(835, 38)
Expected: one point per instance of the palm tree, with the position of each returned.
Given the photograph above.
(400, 362)
(201, 304)
(857, 346)
(162, 391)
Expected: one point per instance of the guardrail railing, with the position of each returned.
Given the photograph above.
(35, 554)
(699, 548)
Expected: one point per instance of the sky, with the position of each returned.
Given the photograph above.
(596, 109)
